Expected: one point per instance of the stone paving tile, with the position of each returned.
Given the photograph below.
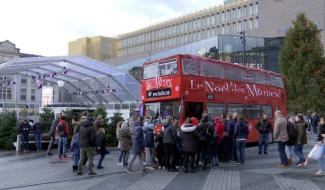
(255, 181)
(286, 183)
(222, 180)
(157, 180)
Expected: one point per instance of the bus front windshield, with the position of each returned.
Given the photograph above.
(160, 110)
(165, 68)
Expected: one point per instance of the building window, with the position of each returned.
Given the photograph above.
(250, 24)
(233, 14)
(244, 12)
(9, 94)
(234, 28)
(256, 23)
(223, 17)
(208, 21)
(251, 10)
(238, 13)
(223, 30)
(33, 95)
(23, 81)
(218, 18)
(198, 23)
(245, 25)
(239, 29)
(212, 20)
(256, 9)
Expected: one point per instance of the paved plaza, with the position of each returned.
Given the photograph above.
(36, 171)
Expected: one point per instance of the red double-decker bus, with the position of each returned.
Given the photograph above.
(187, 85)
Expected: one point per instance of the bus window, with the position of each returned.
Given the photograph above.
(233, 73)
(152, 109)
(238, 108)
(190, 67)
(216, 110)
(212, 70)
(253, 112)
(267, 109)
(150, 71)
(169, 108)
(168, 68)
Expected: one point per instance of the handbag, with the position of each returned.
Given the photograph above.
(317, 152)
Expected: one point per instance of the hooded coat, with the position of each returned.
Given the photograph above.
(125, 139)
(149, 136)
(190, 137)
(138, 139)
(87, 133)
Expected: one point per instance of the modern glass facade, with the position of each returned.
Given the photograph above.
(259, 52)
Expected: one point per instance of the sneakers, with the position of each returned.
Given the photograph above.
(149, 168)
(120, 164)
(282, 166)
(100, 167)
(128, 171)
(319, 173)
(92, 173)
(79, 173)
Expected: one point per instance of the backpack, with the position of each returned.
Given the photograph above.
(61, 130)
(263, 127)
(292, 133)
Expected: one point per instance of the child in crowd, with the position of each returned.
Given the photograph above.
(75, 151)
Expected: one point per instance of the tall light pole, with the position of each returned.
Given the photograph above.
(61, 85)
(243, 41)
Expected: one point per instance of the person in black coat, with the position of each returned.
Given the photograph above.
(170, 144)
(24, 130)
(190, 137)
(101, 146)
(206, 133)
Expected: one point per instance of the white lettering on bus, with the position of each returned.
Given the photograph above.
(251, 89)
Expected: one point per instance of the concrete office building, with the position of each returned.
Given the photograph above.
(99, 47)
(258, 18)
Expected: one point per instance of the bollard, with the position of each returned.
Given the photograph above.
(18, 143)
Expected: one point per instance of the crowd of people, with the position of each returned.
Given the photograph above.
(190, 146)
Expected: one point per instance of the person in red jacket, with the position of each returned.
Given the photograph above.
(62, 131)
(219, 130)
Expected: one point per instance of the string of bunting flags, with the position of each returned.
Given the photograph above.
(105, 90)
(7, 83)
(37, 80)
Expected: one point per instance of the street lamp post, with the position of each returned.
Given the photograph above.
(243, 41)
(61, 85)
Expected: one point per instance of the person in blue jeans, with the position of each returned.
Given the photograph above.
(300, 127)
(75, 149)
(264, 128)
(37, 129)
(280, 135)
(62, 131)
(241, 134)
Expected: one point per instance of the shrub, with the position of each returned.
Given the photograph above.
(8, 129)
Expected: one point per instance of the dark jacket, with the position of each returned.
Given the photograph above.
(190, 138)
(148, 137)
(24, 128)
(241, 130)
(264, 126)
(301, 127)
(231, 127)
(321, 131)
(101, 142)
(138, 139)
(87, 134)
(170, 135)
(205, 131)
(37, 128)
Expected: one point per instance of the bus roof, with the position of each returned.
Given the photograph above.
(227, 64)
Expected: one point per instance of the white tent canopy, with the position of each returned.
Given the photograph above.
(90, 81)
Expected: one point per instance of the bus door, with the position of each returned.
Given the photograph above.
(194, 109)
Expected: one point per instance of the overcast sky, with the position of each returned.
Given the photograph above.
(45, 27)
